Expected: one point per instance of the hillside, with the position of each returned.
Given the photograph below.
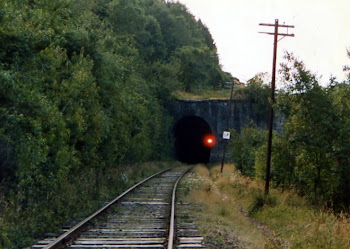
(84, 89)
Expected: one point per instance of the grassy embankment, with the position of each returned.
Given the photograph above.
(223, 94)
(232, 210)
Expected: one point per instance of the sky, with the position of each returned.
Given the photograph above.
(322, 34)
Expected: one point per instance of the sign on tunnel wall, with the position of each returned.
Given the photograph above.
(226, 135)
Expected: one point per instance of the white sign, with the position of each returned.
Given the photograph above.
(226, 135)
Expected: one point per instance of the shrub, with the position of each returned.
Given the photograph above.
(260, 200)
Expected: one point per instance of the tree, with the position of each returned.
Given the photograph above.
(340, 99)
(310, 125)
(257, 92)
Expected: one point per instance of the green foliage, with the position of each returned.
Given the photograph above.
(189, 44)
(313, 129)
(257, 92)
(283, 162)
(311, 154)
(341, 145)
(199, 69)
(244, 148)
(84, 87)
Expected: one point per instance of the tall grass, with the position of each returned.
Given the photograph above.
(219, 219)
(283, 216)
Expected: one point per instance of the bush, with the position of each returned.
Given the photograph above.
(244, 148)
(261, 200)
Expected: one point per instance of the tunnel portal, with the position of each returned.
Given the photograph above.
(190, 146)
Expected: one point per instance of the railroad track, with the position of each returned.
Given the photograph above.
(142, 217)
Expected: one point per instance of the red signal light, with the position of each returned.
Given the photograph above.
(209, 140)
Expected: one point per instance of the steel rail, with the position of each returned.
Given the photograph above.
(63, 240)
(171, 236)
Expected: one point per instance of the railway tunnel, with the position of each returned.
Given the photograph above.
(193, 140)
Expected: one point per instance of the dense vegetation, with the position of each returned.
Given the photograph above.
(84, 88)
(311, 155)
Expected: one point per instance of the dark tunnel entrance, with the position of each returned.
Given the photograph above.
(190, 133)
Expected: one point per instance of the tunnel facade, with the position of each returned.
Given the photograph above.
(190, 135)
(212, 116)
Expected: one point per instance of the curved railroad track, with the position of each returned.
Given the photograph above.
(142, 217)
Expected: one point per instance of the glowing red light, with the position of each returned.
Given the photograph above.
(209, 140)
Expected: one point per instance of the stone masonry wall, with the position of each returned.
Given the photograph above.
(215, 113)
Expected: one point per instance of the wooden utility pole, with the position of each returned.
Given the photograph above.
(272, 96)
(227, 126)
